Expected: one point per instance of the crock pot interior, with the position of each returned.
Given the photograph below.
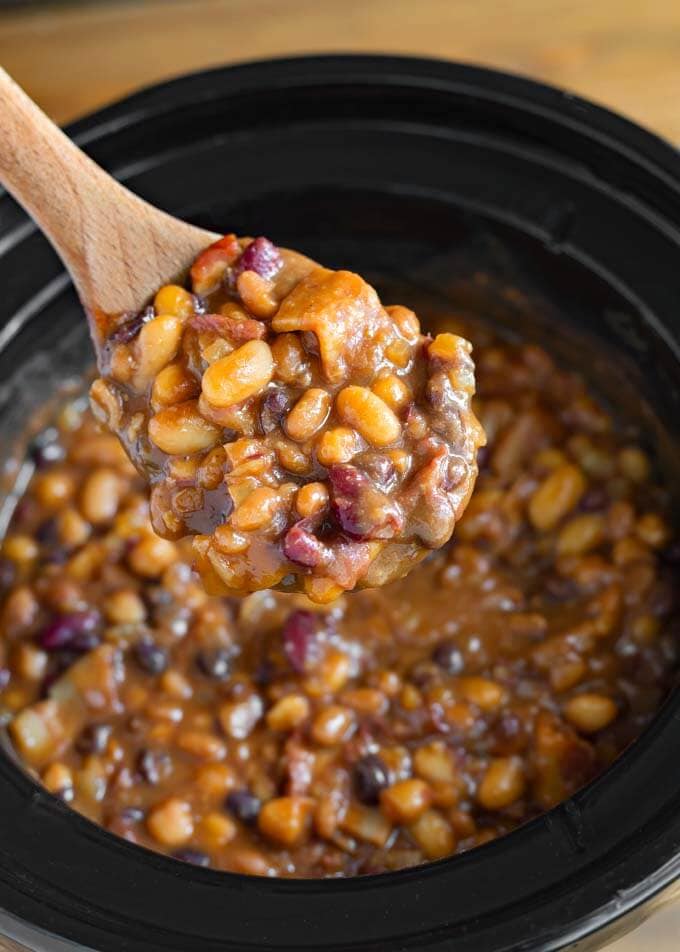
(449, 187)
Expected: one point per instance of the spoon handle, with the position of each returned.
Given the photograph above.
(117, 247)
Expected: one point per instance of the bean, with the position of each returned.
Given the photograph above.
(433, 834)
(311, 499)
(94, 739)
(154, 766)
(215, 780)
(54, 489)
(406, 321)
(285, 820)
(393, 391)
(21, 549)
(257, 510)
(29, 662)
(201, 744)
(445, 347)
(370, 416)
(338, 445)
(124, 607)
(216, 663)
(182, 431)
(156, 345)
(216, 830)
(238, 718)
(288, 713)
(151, 556)
(367, 824)
(370, 776)
(485, 693)
(653, 530)
(308, 415)
(100, 496)
(634, 464)
(449, 657)
(502, 784)
(405, 801)
(175, 300)
(290, 360)
(557, 495)
(240, 375)
(581, 534)
(151, 657)
(434, 763)
(321, 591)
(251, 862)
(365, 700)
(58, 779)
(244, 805)
(399, 352)
(257, 294)
(176, 685)
(192, 856)
(590, 712)
(171, 823)
(333, 725)
(73, 530)
(174, 384)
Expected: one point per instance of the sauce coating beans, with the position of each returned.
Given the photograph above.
(268, 735)
(277, 375)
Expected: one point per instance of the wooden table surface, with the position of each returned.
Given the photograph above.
(75, 57)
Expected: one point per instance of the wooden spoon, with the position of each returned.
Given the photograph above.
(118, 249)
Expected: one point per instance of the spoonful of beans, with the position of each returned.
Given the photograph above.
(307, 436)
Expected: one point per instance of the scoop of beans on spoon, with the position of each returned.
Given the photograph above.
(308, 437)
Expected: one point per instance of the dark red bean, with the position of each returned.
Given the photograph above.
(265, 672)
(64, 632)
(192, 856)
(274, 406)
(66, 794)
(558, 589)
(8, 573)
(151, 657)
(370, 775)
(86, 641)
(93, 739)
(594, 500)
(301, 641)
(216, 663)
(424, 673)
(129, 328)
(449, 657)
(261, 256)
(154, 766)
(244, 805)
(46, 448)
(361, 510)
(483, 454)
(200, 306)
(131, 815)
(380, 469)
(509, 735)
(47, 533)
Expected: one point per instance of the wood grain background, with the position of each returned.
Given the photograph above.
(75, 57)
(625, 53)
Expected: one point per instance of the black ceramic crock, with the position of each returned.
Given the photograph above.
(447, 183)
